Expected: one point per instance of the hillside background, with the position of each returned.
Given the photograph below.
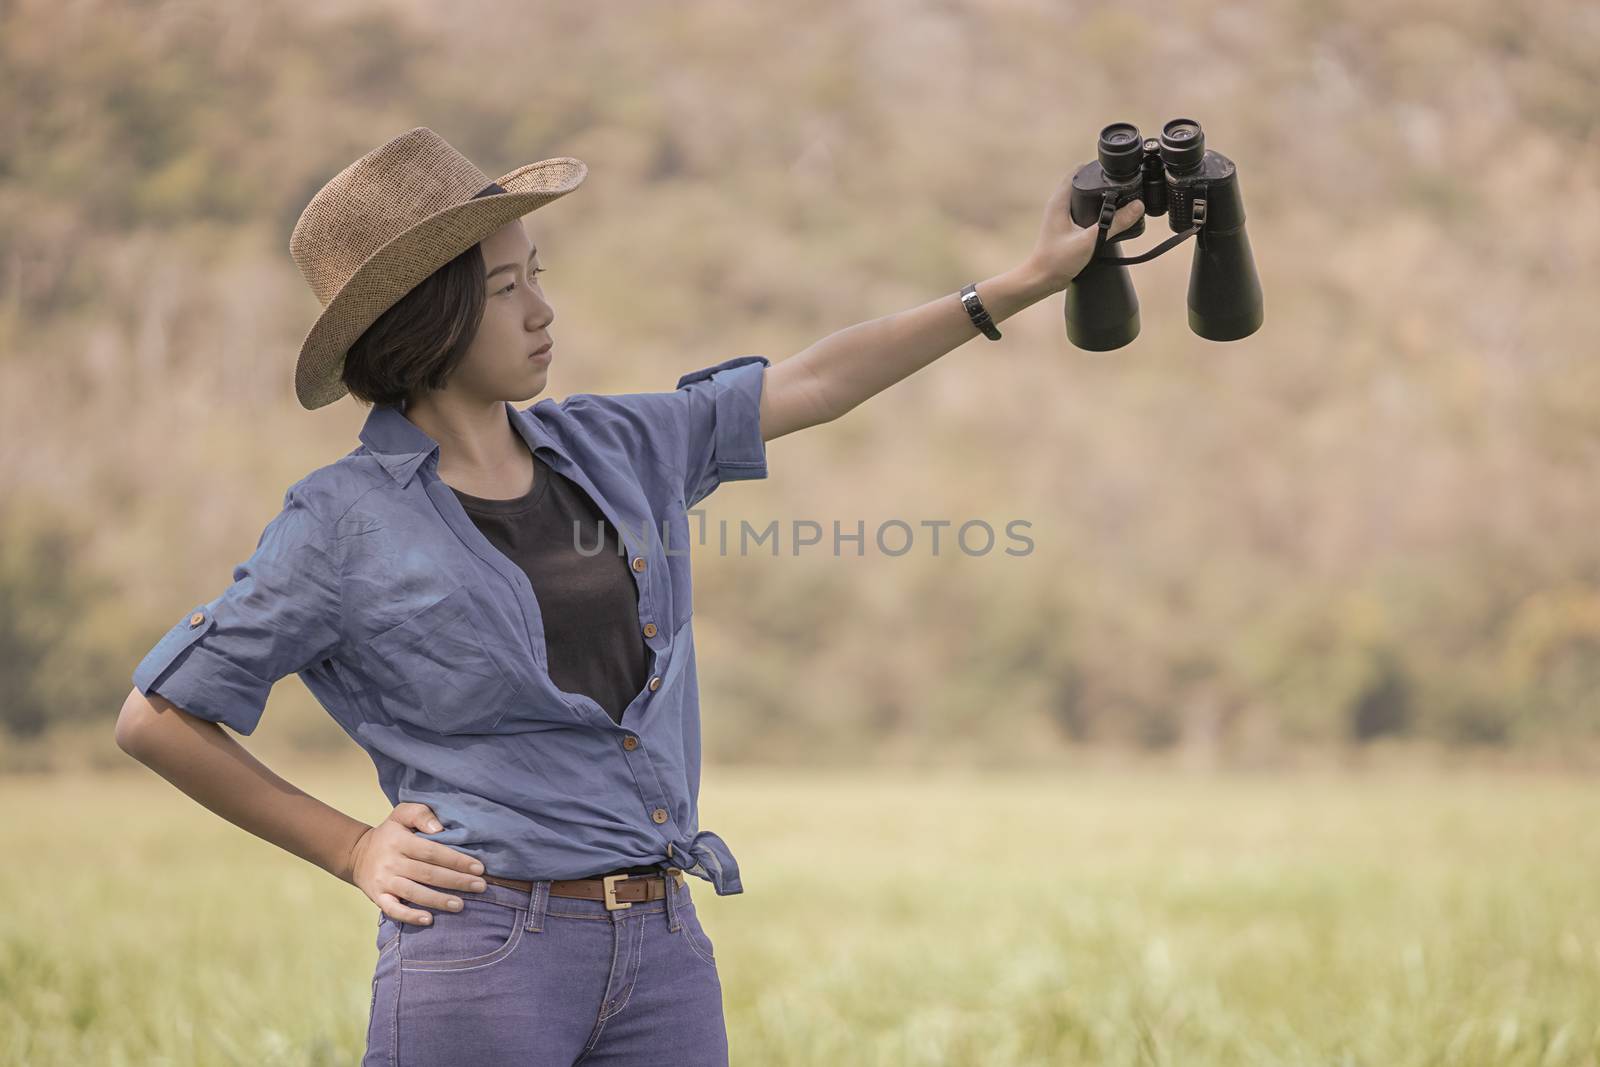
(1369, 528)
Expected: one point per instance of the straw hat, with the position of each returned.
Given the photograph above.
(386, 222)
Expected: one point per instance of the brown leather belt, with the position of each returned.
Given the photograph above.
(617, 890)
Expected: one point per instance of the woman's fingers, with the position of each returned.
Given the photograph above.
(397, 910)
(420, 848)
(418, 893)
(399, 870)
(1126, 216)
(439, 874)
(411, 869)
(417, 816)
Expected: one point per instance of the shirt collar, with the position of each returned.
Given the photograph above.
(402, 446)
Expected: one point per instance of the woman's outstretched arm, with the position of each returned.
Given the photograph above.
(827, 379)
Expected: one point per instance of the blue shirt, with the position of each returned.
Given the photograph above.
(425, 643)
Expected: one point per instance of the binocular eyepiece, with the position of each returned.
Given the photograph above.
(1198, 191)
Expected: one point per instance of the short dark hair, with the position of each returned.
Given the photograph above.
(415, 345)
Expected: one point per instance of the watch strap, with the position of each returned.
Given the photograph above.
(977, 313)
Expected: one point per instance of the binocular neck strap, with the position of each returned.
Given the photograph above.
(1108, 208)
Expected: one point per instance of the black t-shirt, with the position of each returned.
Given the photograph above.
(590, 603)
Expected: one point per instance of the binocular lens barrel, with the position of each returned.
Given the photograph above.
(1183, 145)
(1224, 291)
(1121, 150)
(1102, 308)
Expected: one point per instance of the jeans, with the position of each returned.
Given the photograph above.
(541, 981)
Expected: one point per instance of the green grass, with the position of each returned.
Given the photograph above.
(1127, 917)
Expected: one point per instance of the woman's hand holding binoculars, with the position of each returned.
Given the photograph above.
(1064, 247)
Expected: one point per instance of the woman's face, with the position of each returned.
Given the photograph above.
(499, 363)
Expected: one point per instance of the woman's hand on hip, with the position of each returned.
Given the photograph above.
(392, 865)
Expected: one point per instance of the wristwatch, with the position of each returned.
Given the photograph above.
(977, 313)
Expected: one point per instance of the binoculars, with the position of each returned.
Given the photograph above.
(1198, 190)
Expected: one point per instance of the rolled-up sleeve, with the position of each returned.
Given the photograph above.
(708, 429)
(722, 429)
(281, 614)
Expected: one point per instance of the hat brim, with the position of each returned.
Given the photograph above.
(399, 266)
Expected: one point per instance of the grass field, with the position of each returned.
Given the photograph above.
(1104, 917)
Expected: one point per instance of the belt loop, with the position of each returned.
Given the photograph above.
(673, 920)
(538, 901)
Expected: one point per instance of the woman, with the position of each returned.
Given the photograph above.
(495, 604)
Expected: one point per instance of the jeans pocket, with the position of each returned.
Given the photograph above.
(480, 935)
(695, 934)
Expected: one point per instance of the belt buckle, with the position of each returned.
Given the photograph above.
(610, 885)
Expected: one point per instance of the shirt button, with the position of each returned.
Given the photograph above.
(649, 629)
(655, 683)
(659, 815)
(638, 563)
(630, 742)
(197, 618)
